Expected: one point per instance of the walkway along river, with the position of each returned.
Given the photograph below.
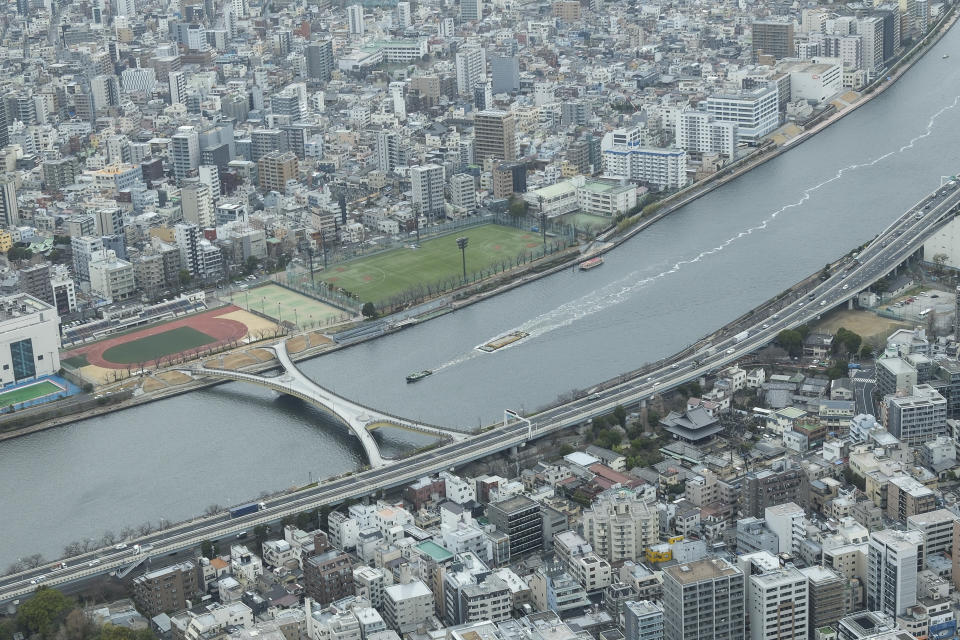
(675, 282)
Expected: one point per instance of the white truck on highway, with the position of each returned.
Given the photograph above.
(740, 337)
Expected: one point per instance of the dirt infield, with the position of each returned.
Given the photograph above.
(212, 323)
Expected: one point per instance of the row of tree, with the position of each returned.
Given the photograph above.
(50, 615)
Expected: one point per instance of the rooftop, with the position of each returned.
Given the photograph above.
(702, 570)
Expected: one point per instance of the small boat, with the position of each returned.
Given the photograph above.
(592, 263)
(420, 375)
(945, 56)
(503, 341)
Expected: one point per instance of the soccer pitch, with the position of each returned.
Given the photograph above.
(282, 304)
(29, 392)
(157, 345)
(379, 277)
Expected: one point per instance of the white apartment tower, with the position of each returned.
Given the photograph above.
(355, 19)
(426, 182)
(893, 560)
(471, 68)
(778, 605)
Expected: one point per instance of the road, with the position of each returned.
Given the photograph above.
(894, 245)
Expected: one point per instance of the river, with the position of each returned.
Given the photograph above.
(675, 282)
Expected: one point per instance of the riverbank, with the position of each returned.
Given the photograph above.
(490, 288)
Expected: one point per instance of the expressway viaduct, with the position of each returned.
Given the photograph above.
(896, 244)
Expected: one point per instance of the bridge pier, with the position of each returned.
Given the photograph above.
(850, 304)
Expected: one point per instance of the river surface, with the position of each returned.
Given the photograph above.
(675, 282)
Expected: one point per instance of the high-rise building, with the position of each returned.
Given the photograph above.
(482, 95)
(773, 39)
(126, 8)
(106, 92)
(918, 417)
(355, 19)
(494, 135)
(698, 132)
(328, 575)
(463, 191)
(187, 237)
(426, 183)
(755, 112)
(399, 101)
(519, 518)
(769, 487)
(320, 60)
(185, 152)
(703, 600)
(275, 169)
(177, 80)
(471, 10)
(870, 29)
(505, 71)
(893, 560)
(778, 605)
(624, 157)
(35, 281)
(826, 589)
(642, 620)
(9, 211)
(263, 141)
(404, 16)
(471, 64)
(83, 248)
(620, 525)
(196, 202)
(166, 589)
(389, 150)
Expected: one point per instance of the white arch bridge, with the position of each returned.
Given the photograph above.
(358, 418)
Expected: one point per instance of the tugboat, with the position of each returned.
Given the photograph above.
(945, 56)
(420, 375)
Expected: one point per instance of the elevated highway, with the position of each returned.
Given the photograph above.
(891, 248)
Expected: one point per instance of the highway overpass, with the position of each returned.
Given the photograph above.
(892, 247)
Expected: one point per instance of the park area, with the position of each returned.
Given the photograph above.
(436, 262)
(285, 305)
(166, 343)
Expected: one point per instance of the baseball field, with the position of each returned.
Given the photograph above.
(378, 278)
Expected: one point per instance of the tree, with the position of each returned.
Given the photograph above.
(791, 340)
(838, 369)
(620, 414)
(44, 612)
(846, 341)
(518, 206)
(260, 533)
(939, 260)
(369, 310)
(185, 277)
(19, 253)
(250, 265)
(208, 549)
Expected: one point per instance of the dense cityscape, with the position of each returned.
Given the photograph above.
(213, 198)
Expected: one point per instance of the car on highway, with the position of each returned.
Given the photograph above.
(730, 350)
(845, 287)
(93, 562)
(766, 326)
(823, 303)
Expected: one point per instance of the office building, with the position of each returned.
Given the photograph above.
(275, 169)
(519, 518)
(778, 605)
(320, 60)
(704, 600)
(426, 183)
(908, 497)
(918, 417)
(755, 112)
(166, 590)
(893, 560)
(505, 74)
(494, 136)
(773, 39)
(642, 620)
(937, 527)
(471, 10)
(620, 526)
(826, 594)
(196, 203)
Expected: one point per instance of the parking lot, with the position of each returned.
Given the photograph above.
(917, 307)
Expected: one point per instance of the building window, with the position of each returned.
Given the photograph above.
(21, 354)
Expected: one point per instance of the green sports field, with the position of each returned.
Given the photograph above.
(23, 394)
(282, 304)
(156, 346)
(387, 274)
